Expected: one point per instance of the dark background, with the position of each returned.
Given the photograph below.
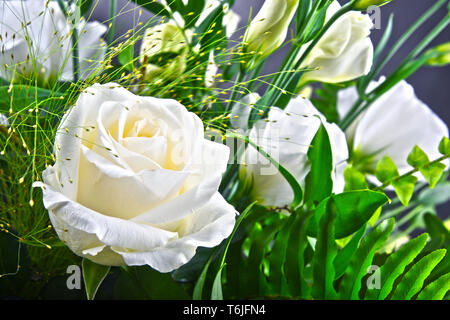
(431, 84)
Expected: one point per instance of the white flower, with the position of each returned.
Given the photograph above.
(393, 125)
(35, 37)
(135, 182)
(4, 120)
(286, 135)
(163, 39)
(344, 53)
(268, 30)
(230, 19)
(241, 110)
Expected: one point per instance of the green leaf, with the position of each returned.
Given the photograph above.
(216, 293)
(85, 6)
(145, 283)
(413, 280)
(192, 12)
(325, 253)
(373, 220)
(437, 196)
(259, 245)
(344, 256)
(404, 188)
(277, 258)
(436, 290)
(444, 146)
(153, 7)
(437, 230)
(126, 57)
(294, 267)
(20, 97)
(433, 173)
(93, 275)
(417, 157)
(361, 260)
(386, 169)
(198, 288)
(354, 209)
(319, 182)
(354, 179)
(395, 265)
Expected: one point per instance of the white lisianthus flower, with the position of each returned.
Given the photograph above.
(344, 53)
(36, 38)
(135, 182)
(268, 30)
(392, 126)
(3, 120)
(287, 135)
(230, 18)
(160, 40)
(241, 110)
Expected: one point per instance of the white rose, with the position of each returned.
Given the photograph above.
(35, 37)
(286, 135)
(344, 53)
(135, 182)
(392, 126)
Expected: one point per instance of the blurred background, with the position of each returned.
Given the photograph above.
(432, 85)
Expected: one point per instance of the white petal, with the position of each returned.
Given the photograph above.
(207, 227)
(395, 123)
(109, 230)
(241, 110)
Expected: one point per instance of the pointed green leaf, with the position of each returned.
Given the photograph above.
(386, 169)
(153, 7)
(198, 288)
(325, 253)
(144, 282)
(413, 280)
(417, 157)
(344, 256)
(319, 182)
(277, 257)
(354, 209)
(362, 259)
(354, 179)
(295, 261)
(436, 290)
(444, 146)
(216, 293)
(93, 275)
(395, 265)
(404, 188)
(433, 173)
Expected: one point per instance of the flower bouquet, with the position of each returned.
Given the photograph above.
(162, 162)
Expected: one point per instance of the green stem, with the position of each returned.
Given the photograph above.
(409, 173)
(235, 91)
(112, 15)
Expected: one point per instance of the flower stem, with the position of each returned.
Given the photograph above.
(409, 173)
(112, 15)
